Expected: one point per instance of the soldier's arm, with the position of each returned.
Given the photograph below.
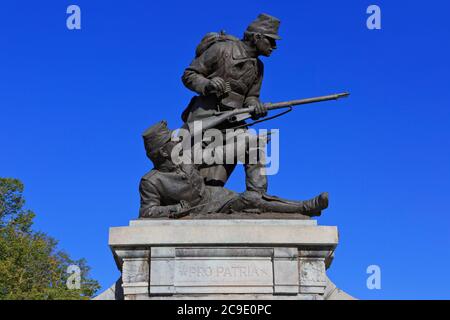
(195, 77)
(151, 203)
(255, 89)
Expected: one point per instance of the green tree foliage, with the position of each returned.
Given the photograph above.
(31, 266)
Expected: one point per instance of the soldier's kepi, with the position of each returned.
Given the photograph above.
(227, 75)
(174, 191)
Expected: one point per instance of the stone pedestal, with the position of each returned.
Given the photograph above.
(223, 259)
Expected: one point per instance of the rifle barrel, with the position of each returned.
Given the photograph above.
(279, 105)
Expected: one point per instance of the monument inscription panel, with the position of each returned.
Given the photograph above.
(222, 272)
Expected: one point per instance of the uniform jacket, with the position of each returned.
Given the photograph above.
(162, 191)
(233, 62)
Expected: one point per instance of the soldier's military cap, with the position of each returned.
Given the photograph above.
(266, 25)
(156, 136)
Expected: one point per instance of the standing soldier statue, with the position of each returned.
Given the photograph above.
(227, 75)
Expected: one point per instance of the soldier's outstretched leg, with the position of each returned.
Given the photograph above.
(255, 202)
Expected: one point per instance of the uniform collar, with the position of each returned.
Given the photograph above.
(251, 51)
(167, 167)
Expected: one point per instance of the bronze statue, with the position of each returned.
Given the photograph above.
(227, 75)
(174, 191)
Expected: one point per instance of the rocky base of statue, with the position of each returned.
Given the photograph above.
(223, 259)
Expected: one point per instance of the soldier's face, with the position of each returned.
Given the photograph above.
(167, 149)
(265, 45)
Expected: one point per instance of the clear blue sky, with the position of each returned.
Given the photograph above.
(74, 103)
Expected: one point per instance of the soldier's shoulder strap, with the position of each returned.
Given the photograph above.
(211, 38)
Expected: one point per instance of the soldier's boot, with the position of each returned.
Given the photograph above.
(254, 159)
(314, 206)
(255, 178)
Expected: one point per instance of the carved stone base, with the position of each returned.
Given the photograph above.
(223, 259)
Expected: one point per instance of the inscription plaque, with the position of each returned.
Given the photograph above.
(220, 272)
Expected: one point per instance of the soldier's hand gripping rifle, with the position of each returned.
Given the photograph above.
(238, 115)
